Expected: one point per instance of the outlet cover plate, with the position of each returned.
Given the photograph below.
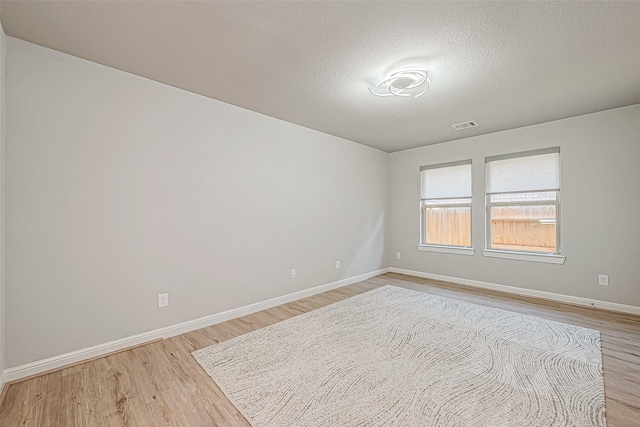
(163, 300)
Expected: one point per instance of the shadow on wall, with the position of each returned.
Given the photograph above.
(373, 244)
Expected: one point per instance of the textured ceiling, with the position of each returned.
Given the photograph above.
(502, 64)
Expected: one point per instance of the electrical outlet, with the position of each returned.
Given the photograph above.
(603, 280)
(337, 265)
(293, 273)
(163, 300)
(397, 255)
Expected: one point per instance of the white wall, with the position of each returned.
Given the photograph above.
(119, 188)
(600, 207)
(2, 205)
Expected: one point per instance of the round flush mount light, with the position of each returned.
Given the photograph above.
(406, 82)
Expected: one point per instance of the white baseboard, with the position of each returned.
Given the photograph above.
(55, 362)
(631, 309)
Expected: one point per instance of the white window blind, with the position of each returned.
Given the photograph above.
(529, 171)
(446, 181)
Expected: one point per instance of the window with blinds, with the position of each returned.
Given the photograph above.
(446, 204)
(523, 201)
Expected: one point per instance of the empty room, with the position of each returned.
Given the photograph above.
(320, 213)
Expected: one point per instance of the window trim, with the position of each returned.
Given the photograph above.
(489, 205)
(525, 256)
(549, 257)
(423, 221)
(457, 250)
(451, 249)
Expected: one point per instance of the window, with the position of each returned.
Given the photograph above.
(446, 204)
(523, 201)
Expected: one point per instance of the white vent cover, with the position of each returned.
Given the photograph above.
(465, 125)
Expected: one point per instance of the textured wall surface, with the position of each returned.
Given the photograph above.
(120, 188)
(2, 202)
(600, 183)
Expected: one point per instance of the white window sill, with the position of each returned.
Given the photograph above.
(447, 249)
(521, 256)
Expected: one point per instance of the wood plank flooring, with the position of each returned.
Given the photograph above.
(160, 384)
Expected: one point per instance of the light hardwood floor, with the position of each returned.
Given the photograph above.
(160, 384)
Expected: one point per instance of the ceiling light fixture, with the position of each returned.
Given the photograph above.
(405, 82)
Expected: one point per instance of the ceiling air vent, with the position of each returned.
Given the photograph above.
(465, 125)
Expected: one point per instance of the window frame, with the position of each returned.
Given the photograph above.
(538, 256)
(489, 205)
(423, 220)
(434, 247)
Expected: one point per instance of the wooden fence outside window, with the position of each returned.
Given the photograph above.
(530, 228)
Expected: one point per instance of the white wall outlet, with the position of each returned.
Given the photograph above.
(293, 273)
(337, 265)
(603, 280)
(397, 255)
(163, 300)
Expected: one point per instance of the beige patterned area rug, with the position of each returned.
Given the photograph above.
(395, 357)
